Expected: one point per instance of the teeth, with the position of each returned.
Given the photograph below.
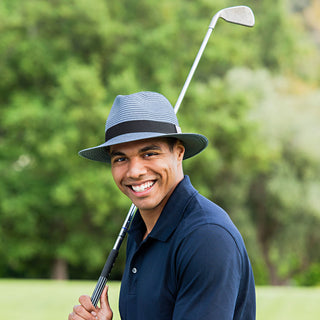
(143, 187)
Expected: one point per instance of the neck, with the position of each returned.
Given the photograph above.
(150, 217)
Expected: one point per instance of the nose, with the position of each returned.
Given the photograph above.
(136, 168)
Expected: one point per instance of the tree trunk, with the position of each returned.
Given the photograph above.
(272, 270)
(265, 223)
(60, 269)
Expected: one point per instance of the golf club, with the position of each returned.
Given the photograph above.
(241, 15)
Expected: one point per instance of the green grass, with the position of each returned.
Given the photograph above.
(288, 303)
(53, 300)
(47, 300)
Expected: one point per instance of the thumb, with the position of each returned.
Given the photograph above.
(104, 303)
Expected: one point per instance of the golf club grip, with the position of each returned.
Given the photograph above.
(104, 276)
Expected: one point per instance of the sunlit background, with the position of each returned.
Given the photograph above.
(255, 95)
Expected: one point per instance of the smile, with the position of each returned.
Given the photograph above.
(143, 187)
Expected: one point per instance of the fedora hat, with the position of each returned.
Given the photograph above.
(139, 116)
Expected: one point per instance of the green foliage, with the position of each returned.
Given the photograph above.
(284, 198)
(310, 277)
(62, 64)
(49, 208)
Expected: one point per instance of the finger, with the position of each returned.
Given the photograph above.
(87, 303)
(74, 316)
(104, 299)
(79, 312)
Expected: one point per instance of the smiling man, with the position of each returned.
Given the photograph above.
(185, 257)
(147, 171)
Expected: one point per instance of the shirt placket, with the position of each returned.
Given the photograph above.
(135, 269)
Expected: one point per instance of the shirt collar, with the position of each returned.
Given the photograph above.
(170, 216)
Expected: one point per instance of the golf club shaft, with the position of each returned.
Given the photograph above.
(114, 252)
(192, 70)
(112, 257)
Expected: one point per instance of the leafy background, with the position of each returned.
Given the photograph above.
(255, 95)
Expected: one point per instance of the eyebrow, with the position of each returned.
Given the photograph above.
(116, 153)
(151, 147)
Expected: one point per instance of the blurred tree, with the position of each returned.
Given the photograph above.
(284, 197)
(54, 211)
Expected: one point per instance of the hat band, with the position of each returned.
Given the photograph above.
(141, 126)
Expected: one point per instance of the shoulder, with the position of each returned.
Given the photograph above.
(204, 220)
(210, 243)
(209, 254)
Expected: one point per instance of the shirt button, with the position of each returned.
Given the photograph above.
(134, 270)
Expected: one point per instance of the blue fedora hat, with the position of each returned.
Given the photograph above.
(139, 116)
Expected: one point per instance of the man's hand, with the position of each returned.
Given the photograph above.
(87, 311)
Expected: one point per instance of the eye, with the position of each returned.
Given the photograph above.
(118, 159)
(150, 154)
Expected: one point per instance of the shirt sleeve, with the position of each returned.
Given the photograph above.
(208, 270)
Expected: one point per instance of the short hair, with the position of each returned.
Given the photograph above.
(171, 142)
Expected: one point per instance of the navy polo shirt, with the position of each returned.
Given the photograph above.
(193, 264)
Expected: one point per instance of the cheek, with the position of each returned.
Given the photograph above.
(116, 174)
(169, 175)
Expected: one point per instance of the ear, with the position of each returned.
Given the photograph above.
(179, 149)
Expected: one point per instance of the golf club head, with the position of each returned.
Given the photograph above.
(242, 15)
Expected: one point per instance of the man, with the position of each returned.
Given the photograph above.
(185, 257)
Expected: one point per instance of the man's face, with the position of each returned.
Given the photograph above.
(147, 171)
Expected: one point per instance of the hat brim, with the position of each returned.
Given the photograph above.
(194, 143)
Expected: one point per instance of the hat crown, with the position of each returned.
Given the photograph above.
(141, 106)
(139, 116)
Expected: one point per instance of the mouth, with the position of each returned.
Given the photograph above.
(143, 186)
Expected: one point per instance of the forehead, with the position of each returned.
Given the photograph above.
(140, 145)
